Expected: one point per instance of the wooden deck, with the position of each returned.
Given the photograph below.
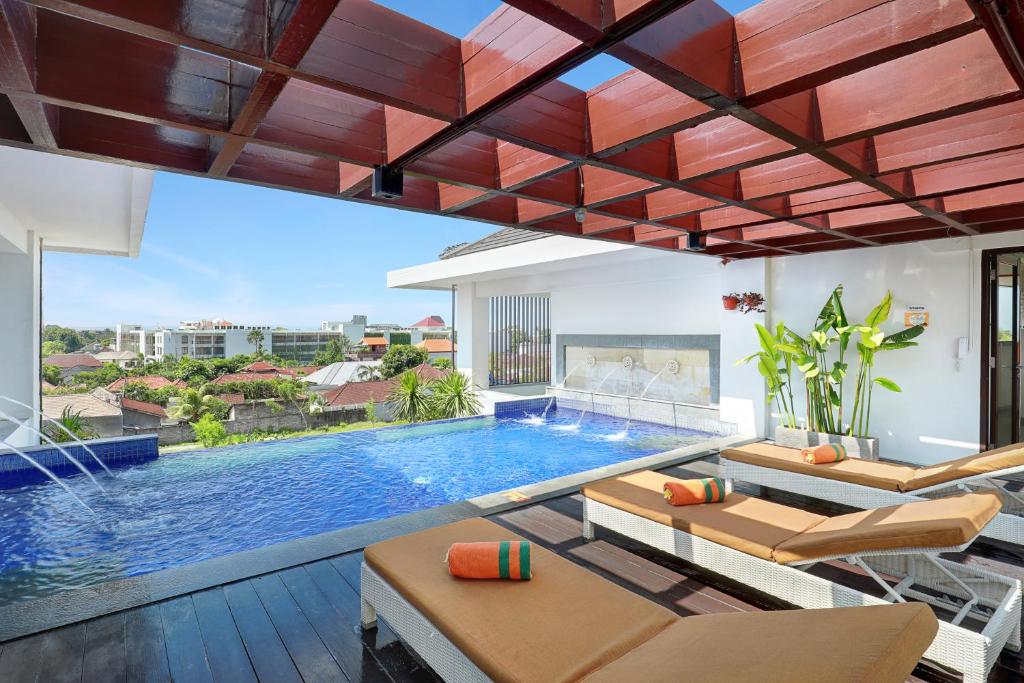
(301, 624)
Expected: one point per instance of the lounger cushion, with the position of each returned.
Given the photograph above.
(880, 475)
(750, 525)
(973, 465)
(563, 624)
(879, 644)
(939, 523)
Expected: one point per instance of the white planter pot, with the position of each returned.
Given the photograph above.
(856, 447)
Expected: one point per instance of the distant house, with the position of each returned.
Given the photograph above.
(376, 346)
(123, 359)
(359, 393)
(429, 324)
(71, 364)
(437, 348)
(141, 413)
(246, 377)
(149, 381)
(104, 418)
(261, 367)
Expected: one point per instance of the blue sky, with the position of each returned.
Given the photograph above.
(256, 255)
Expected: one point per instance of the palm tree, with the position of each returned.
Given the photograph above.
(192, 405)
(453, 395)
(410, 398)
(368, 373)
(255, 337)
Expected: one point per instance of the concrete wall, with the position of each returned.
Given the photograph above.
(20, 336)
(106, 426)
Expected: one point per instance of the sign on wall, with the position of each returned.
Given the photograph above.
(915, 315)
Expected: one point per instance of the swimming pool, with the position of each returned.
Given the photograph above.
(197, 505)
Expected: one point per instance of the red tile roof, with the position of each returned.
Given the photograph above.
(373, 341)
(355, 393)
(143, 407)
(232, 399)
(261, 366)
(437, 345)
(150, 381)
(245, 377)
(72, 360)
(430, 321)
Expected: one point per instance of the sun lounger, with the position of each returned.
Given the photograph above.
(769, 547)
(868, 484)
(568, 624)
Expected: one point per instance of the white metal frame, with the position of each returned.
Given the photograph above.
(379, 599)
(996, 599)
(1008, 525)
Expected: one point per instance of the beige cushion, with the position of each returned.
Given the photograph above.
(880, 475)
(940, 523)
(879, 644)
(561, 625)
(972, 465)
(750, 525)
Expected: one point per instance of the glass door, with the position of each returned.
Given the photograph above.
(1004, 348)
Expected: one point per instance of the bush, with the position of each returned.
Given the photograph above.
(442, 363)
(401, 357)
(371, 411)
(209, 431)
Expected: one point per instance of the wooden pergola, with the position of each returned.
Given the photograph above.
(797, 126)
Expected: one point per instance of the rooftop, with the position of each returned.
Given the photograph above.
(72, 360)
(143, 407)
(86, 404)
(430, 321)
(149, 381)
(437, 345)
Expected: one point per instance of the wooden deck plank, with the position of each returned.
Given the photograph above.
(342, 641)
(144, 646)
(269, 657)
(105, 656)
(21, 659)
(225, 652)
(308, 652)
(186, 655)
(63, 655)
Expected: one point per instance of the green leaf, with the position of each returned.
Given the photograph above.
(790, 349)
(819, 337)
(812, 373)
(833, 396)
(767, 340)
(880, 313)
(747, 359)
(907, 334)
(805, 365)
(892, 346)
(887, 383)
(796, 336)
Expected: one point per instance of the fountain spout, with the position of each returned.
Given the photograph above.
(48, 473)
(58, 425)
(82, 468)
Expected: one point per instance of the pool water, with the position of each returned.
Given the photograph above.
(197, 505)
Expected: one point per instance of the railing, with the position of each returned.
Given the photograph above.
(520, 340)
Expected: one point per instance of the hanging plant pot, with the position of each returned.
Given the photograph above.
(865, 448)
(730, 302)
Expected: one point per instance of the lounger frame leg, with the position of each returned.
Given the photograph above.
(367, 615)
(589, 532)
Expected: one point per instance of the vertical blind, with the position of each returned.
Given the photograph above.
(520, 334)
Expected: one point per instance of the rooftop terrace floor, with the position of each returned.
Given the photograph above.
(302, 623)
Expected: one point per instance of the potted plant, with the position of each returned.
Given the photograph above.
(821, 356)
(752, 302)
(731, 302)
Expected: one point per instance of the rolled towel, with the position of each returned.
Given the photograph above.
(824, 454)
(697, 491)
(490, 560)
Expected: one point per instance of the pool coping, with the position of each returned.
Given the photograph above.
(68, 607)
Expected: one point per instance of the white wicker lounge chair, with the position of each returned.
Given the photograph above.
(770, 547)
(569, 624)
(853, 483)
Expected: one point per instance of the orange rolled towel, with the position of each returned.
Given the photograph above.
(490, 560)
(824, 454)
(696, 491)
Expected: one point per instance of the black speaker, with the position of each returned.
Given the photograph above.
(696, 241)
(387, 182)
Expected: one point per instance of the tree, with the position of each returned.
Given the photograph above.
(209, 431)
(334, 352)
(453, 396)
(255, 337)
(52, 348)
(368, 373)
(410, 398)
(401, 357)
(289, 391)
(193, 405)
(100, 377)
(442, 363)
(71, 340)
(51, 373)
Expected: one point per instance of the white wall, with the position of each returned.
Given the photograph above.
(937, 415)
(741, 387)
(19, 335)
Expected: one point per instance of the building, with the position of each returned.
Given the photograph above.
(375, 346)
(123, 359)
(102, 417)
(353, 329)
(149, 381)
(337, 374)
(140, 414)
(438, 348)
(71, 364)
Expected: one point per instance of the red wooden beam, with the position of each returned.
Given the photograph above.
(18, 71)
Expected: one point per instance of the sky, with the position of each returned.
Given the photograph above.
(253, 255)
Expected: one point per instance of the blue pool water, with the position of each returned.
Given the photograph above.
(196, 505)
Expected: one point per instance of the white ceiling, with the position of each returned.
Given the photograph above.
(72, 204)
